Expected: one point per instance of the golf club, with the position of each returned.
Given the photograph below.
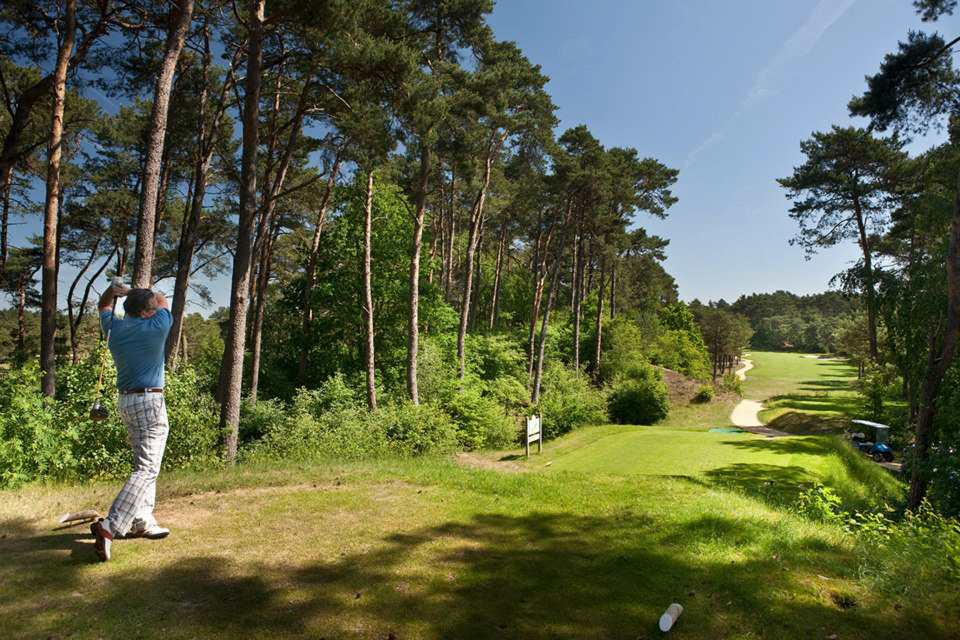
(100, 412)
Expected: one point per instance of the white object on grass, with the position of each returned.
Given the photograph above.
(534, 433)
(669, 617)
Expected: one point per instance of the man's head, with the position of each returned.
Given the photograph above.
(141, 303)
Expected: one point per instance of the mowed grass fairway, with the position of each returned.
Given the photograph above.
(792, 382)
(593, 539)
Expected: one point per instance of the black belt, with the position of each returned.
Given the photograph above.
(124, 392)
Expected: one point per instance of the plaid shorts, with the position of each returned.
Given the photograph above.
(145, 416)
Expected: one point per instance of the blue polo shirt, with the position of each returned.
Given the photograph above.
(137, 348)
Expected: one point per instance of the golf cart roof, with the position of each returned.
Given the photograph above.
(867, 423)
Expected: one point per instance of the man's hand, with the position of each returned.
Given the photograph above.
(106, 300)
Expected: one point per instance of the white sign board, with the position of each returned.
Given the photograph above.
(534, 433)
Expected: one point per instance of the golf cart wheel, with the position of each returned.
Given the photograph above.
(878, 457)
(888, 457)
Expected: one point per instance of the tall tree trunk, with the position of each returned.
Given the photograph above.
(86, 291)
(5, 224)
(938, 362)
(577, 298)
(179, 25)
(307, 319)
(185, 252)
(233, 352)
(574, 269)
(272, 186)
(541, 253)
(478, 278)
(434, 240)
(441, 231)
(368, 296)
(613, 288)
(451, 235)
(538, 372)
(266, 261)
(207, 144)
(413, 318)
(868, 281)
(495, 302)
(21, 329)
(48, 315)
(74, 325)
(476, 220)
(11, 153)
(596, 349)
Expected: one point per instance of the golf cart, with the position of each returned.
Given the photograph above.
(879, 449)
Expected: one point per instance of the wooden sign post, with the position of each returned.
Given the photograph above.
(534, 433)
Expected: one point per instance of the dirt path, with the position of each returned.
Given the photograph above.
(746, 414)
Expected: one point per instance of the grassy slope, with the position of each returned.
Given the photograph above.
(427, 549)
(773, 469)
(623, 521)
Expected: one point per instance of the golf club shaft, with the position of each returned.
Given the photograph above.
(103, 360)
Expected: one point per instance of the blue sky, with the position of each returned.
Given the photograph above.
(723, 90)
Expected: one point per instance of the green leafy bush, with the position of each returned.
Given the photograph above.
(40, 439)
(704, 395)
(677, 350)
(732, 383)
(638, 397)
(333, 422)
(622, 348)
(819, 503)
(905, 556)
(257, 419)
(568, 402)
(480, 421)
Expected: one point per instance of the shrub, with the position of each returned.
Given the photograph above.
(568, 402)
(732, 383)
(638, 397)
(819, 503)
(333, 422)
(879, 384)
(622, 348)
(905, 557)
(256, 420)
(416, 429)
(480, 421)
(677, 350)
(194, 422)
(58, 440)
(704, 395)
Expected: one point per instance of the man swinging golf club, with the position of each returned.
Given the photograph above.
(136, 343)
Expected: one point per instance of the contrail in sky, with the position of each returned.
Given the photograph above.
(796, 47)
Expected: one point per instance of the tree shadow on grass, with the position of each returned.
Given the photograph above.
(492, 575)
(827, 385)
(775, 485)
(816, 403)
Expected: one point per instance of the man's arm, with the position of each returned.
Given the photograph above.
(106, 300)
(161, 301)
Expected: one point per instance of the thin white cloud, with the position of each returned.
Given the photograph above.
(796, 47)
(799, 45)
